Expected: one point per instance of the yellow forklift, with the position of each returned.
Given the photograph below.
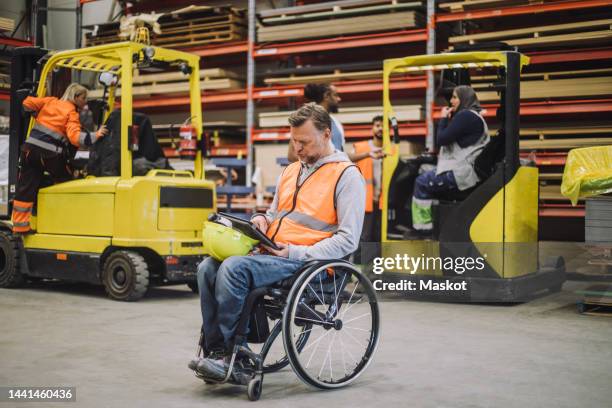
(126, 232)
(495, 223)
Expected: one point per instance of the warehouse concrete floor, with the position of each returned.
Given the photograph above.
(541, 354)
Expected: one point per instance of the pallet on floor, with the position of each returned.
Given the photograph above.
(596, 301)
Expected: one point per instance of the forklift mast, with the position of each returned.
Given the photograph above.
(26, 66)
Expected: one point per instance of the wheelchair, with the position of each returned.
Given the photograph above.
(328, 317)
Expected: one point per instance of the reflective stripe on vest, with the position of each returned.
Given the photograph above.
(306, 213)
(48, 131)
(44, 145)
(307, 221)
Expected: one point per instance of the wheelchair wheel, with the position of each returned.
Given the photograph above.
(273, 352)
(338, 303)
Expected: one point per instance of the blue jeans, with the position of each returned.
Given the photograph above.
(426, 187)
(225, 286)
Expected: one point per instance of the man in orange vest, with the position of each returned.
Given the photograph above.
(317, 213)
(368, 156)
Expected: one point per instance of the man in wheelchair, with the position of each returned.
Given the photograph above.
(317, 213)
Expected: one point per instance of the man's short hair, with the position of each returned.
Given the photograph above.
(319, 116)
(377, 118)
(315, 92)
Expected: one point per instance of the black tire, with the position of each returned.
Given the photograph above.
(325, 305)
(194, 287)
(10, 274)
(125, 276)
(254, 389)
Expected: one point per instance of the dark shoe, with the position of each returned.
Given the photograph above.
(216, 369)
(193, 364)
(215, 354)
(212, 368)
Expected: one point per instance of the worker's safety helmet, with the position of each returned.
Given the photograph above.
(221, 241)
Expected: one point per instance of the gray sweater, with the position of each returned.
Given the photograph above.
(350, 207)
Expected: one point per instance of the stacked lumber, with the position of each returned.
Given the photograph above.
(556, 138)
(176, 82)
(594, 31)
(552, 193)
(7, 24)
(5, 82)
(465, 5)
(555, 88)
(336, 76)
(191, 26)
(337, 18)
(362, 114)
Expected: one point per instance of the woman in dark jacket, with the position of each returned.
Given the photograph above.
(462, 134)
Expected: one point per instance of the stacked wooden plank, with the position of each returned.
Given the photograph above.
(465, 5)
(176, 82)
(337, 18)
(5, 82)
(594, 31)
(7, 24)
(555, 88)
(337, 75)
(334, 77)
(194, 25)
(561, 138)
(362, 114)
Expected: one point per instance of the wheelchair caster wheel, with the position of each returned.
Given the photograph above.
(254, 389)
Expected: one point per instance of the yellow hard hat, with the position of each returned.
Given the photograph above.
(221, 242)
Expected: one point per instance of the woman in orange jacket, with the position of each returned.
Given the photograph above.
(56, 127)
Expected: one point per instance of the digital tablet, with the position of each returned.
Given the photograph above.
(250, 230)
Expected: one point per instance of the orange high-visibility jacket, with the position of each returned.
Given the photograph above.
(306, 214)
(56, 118)
(366, 166)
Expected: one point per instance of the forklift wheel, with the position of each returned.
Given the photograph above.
(125, 276)
(10, 275)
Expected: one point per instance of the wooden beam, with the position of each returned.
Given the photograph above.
(562, 144)
(341, 26)
(534, 31)
(554, 88)
(347, 115)
(338, 12)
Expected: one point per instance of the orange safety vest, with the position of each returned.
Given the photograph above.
(56, 118)
(306, 213)
(366, 166)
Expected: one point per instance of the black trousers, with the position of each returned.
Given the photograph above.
(33, 162)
